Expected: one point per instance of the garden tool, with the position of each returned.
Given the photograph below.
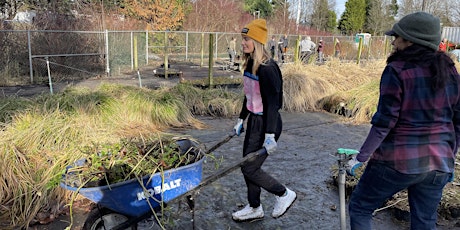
(344, 156)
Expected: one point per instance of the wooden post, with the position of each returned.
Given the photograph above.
(360, 48)
(297, 50)
(211, 60)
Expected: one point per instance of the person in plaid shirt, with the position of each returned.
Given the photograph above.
(416, 130)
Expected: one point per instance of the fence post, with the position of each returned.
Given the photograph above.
(211, 60)
(186, 46)
(369, 45)
(387, 46)
(146, 47)
(132, 50)
(297, 50)
(360, 49)
(107, 70)
(49, 75)
(166, 55)
(136, 65)
(31, 70)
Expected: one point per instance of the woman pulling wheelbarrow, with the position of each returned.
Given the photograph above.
(263, 89)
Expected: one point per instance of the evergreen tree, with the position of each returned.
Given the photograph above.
(353, 18)
(332, 21)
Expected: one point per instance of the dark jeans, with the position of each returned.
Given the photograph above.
(380, 182)
(254, 176)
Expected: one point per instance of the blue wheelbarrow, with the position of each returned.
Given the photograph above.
(122, 205)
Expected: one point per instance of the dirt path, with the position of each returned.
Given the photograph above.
(303, 162)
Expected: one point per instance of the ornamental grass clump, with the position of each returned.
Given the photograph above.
(218, 102)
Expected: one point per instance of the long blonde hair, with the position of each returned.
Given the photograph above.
(260, 56)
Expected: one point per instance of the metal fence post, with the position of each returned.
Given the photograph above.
(146, 47)
(166, 44)
(107, 70)
(132, 54)
(136, 62)
(186, 46)
(31, 69)
(49, 74)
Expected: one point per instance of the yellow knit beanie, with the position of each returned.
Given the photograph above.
(257, 30)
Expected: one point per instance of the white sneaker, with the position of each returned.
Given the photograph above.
(248, 213)
(283, 203)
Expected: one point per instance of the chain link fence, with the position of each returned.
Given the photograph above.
(37, 57)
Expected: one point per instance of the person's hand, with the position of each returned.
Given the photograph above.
(270, 143)
(452, 176)
(352, 166)
(238, 129)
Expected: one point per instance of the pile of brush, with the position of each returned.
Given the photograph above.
(129, 159)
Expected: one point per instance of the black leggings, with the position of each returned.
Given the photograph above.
(254, 176)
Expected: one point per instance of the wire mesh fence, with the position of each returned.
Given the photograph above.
(35, 57)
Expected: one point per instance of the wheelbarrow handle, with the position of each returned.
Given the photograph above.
(221, 142)
(223, 172)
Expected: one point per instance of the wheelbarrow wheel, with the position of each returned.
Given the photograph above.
(102, 219)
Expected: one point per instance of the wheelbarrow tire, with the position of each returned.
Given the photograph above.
(103, 218)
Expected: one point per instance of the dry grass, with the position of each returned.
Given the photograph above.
(324, 87)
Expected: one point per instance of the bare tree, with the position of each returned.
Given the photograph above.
(379, 17)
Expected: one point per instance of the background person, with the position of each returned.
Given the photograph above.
(272, 46)
(281, 50)
(232, 50)
(306, 49)
(415, 132)
(320, 51)
(337, 48)
(263, 90)
(443, 45)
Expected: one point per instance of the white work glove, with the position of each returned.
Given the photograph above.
(270, 143)
(352, 165)
(238, 129)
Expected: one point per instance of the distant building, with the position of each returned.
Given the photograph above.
(452, 34)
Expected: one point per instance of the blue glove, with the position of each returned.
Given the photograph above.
(270, 143)
(238, 129)
(352, 165)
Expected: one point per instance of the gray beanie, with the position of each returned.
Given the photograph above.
(421, 28)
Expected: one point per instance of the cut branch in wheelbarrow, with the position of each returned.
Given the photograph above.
(221, 173)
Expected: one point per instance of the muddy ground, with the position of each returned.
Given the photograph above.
(303, 162)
